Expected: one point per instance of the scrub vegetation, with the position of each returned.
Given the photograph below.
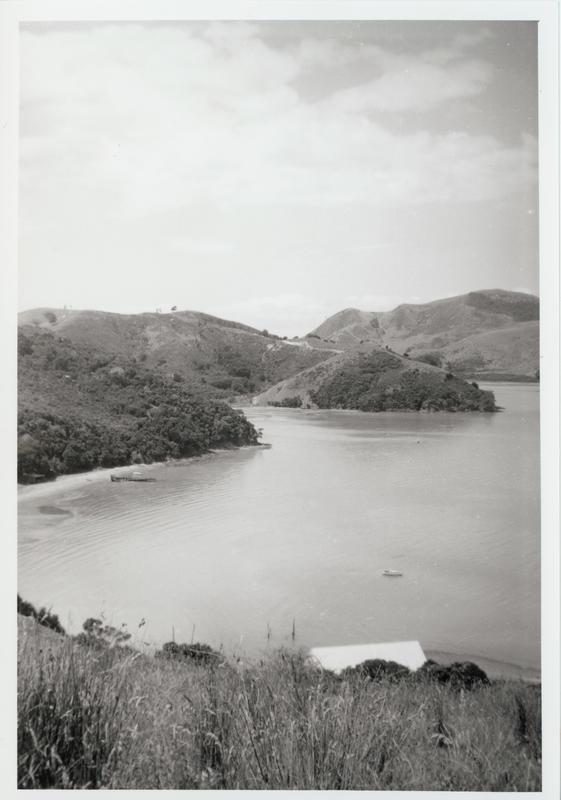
(379, 381)
(106, 716)
(80, 409)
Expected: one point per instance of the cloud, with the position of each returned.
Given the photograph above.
(413, 85)
(458, 46)
(138, 120)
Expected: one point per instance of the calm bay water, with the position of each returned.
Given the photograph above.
(229, 546)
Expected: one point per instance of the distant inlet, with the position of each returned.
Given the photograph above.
(409, 654)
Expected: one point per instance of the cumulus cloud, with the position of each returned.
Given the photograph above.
(150, 119)
(414, 85)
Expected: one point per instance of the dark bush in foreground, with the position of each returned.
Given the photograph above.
(459, 675)
(377, 669)
(197, 653)
(42, 616)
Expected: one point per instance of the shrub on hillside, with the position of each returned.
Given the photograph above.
(97, 634)
(196, 652)
(459, 675)
(42, 616)
(378, 669)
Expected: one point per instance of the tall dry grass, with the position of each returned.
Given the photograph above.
(108, 718)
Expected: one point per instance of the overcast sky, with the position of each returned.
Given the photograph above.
(275, 173)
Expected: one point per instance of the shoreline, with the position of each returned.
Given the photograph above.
(41, 491)
(496, 670)
(76, 479)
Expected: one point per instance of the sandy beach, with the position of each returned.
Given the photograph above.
(63, 482)
(76, 480)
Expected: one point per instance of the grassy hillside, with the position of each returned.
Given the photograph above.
(511, 351)
(79, 409)
(378, 380)
(217, 357)
(102, 717)
(487, 331)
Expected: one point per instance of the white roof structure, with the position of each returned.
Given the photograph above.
(410, 654)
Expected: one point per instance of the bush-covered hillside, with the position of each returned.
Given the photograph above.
(377, 381)
(79, 409)
(219, 358)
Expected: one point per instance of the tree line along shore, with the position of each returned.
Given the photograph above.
(81, 408)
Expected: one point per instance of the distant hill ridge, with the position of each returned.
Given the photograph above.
(488, 331)
(100, 388)
(219, 358)
(66, 316)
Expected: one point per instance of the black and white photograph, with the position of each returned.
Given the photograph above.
(285, 324)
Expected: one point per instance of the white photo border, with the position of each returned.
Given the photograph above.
(546, 13)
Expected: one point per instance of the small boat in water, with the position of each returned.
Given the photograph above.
(131, 476)
(392, 573)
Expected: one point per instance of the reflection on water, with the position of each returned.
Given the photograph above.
(230, 544)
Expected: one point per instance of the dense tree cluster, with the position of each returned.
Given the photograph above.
(380, 382)
(241, 376)
(80, 409)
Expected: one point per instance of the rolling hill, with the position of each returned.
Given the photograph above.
(148, 385)
(79, 409)
(478, 334)
(217, 358)
(374, 379)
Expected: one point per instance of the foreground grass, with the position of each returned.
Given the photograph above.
(108, 718)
